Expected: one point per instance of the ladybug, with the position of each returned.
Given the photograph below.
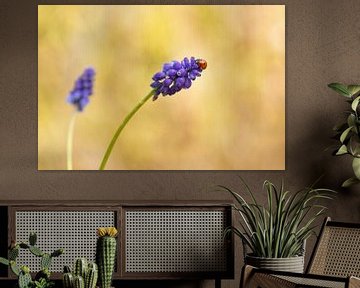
(201, 63)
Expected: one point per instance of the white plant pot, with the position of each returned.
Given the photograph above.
(291, 264)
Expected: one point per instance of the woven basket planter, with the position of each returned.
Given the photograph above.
(291, 264)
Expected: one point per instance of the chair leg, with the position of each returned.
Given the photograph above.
(217, 283)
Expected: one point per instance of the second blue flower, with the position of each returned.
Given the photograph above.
(83, 88)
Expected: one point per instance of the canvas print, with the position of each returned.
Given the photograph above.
(161, 87)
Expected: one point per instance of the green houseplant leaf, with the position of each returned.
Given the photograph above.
(345, 134)
(351, 120)
(349, 132)
(355, 103)
(353, 89)
(340, 88)
(342, 150)
(354, 145)
(349, 182)
(356, 167)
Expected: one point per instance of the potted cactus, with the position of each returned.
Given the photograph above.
(106, 254)
(42, 278)
(85, 275)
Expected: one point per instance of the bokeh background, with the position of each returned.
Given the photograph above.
(232, 118)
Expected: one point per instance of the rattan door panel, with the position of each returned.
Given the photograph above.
(172, 241)
(73, 230)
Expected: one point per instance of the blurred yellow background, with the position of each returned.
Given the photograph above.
(233, 117)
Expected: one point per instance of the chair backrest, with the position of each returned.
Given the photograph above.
(337, 251)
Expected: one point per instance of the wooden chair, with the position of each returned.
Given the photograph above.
(335, 262)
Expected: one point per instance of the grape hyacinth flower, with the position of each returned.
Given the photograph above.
(174, 77)
(83, 88)
(79, 97)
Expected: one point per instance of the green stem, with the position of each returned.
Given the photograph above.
(121, 127)
(69, 146)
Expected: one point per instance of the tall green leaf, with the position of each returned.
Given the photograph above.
(340, 88)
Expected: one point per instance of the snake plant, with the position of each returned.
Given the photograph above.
(279, 228)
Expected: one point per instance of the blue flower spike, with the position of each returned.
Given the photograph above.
(79, 97)
(83, 88)
(176, 76)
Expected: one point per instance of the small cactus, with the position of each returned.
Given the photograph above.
(13, 253)
(24, 245)
(32, 238)
(25, 269)
(67, 269)
(45, 261)
(89, 272)
(44, 273)
(79, 282)
(68, 280)
(106, 254)
(36, 251)
(4, 261)
(24, 277)
(91, 276)
(80, 268)
(57, 252)
(14, 268)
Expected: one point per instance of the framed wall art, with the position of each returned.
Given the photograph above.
(161, 87)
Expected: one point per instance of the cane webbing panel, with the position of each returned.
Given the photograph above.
(338, 252)
(304, 282)
(263, 280)
(175, 241)
(75, 231)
